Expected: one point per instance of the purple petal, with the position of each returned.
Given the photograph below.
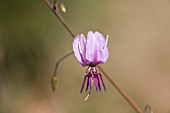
(97, 51)
(82, 47)
(100, 39)
(84, 81)
(102, 81)
(79, 48)
(90, 47)
(102, 50)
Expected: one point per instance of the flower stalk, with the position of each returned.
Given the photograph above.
(54, 78)
(114, 83)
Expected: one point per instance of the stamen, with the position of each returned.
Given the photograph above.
(93, 75)
(90, 84)
(87, 97)
(79, 47)
(106, 41)
(102, 81)
(84, 81)
(88, 69)
(87, 83)
(98, 82)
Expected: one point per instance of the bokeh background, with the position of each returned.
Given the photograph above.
(32, 40)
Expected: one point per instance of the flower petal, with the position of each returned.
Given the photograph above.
(97, 51)
(92, 51)
(100, 39)
(82, 47)
(79, 48)
(103, 53)
(90, 47)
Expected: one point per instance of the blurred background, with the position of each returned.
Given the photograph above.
(32, 40)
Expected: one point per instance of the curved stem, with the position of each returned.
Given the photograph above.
(148, 108)
(116, 85)
(54, 78)
(58, 62)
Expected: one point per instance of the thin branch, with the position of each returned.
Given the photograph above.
(58, 62)
(61, 19)
(119, 89)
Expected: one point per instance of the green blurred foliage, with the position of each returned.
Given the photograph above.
(32, 40)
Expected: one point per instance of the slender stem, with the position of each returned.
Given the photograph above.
(58, 62)
(121, 91)
(61, 19)
(118, 87)
(54, 78)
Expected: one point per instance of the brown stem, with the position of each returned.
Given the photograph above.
(121, 91)
(118, 87)
(61, 19)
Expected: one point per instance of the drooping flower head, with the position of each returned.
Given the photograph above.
(91, 51)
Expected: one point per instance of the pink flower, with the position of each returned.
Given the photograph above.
(91, 52)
